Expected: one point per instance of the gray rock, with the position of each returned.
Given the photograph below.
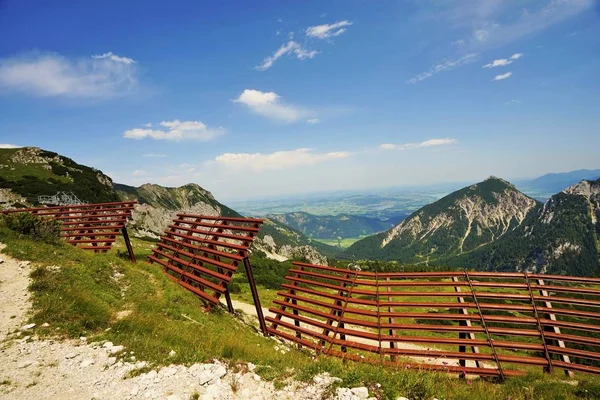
(361, 392)
(115, 349)
(27, 327)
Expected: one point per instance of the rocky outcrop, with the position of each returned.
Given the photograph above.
(284, 252)
(35, 155)
(151, 221)
(8, 198)
(158, 206)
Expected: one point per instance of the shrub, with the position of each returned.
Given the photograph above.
(235, 288)
(38, 228)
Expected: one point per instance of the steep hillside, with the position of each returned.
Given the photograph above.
(159, 205)
(561, 238)
(28, 172)
(330, 226)
(458, 223)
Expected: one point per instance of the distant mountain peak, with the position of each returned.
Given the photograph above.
(455, 224)
(493, 178)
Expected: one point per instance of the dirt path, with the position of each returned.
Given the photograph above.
(14, 297)
(34, 368)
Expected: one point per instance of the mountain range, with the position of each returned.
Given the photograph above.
(490, 225)
(493, 226)
(545, 186)
(28, 172)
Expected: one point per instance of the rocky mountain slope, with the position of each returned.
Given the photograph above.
(330, 226)
(560, 238)
(460, 222)
(493, 226)
(159, 205)
(28, 172)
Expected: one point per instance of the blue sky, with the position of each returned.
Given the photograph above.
(277, 97)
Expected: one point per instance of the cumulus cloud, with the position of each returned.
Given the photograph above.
(177, 131)
(269, 104)
(326, 31)
(8, 146)
(289, 48)
(277, 160)
(426, 143)
(313, 121)
(503, 76)
(444, 65)
(53, 75)
(503, 61)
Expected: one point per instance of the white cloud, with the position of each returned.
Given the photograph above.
(481, 35)
(426, 143)
(512, 102)
(289, 48)
(268, 104)
(9, 146)
(313, 121)
(494, 23)
(50, 75)
(138, 172)
(503, 76)
(277, 160)
(148, 125)
(503, 61)
(187, 167)
(114, 57)
(154, 155)
(444, 65)
(326, 31)
(177, 131)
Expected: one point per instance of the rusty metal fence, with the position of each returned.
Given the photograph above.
(480, 323)
(89, 226)
(201, 253)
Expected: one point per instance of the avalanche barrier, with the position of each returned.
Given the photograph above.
(480, 323)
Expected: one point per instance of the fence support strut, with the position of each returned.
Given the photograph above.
(252, 282)
(465, 335)
(539, 325)
(128, 244)
(555, 329)
(485, 327)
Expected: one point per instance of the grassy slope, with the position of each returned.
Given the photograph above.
(83, 297)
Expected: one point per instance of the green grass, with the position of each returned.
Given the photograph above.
(83, 297)
(342, 243)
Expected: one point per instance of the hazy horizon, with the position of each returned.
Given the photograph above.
(278, 98)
